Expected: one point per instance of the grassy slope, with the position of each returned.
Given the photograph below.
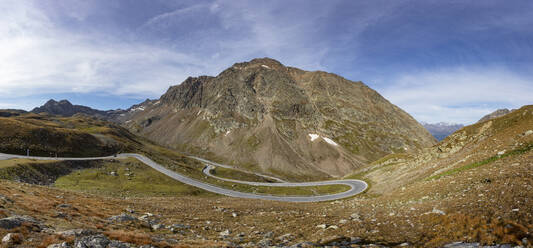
(73, 136)
(14, 162)
(239, 175)
(40, 172)
(142, 181)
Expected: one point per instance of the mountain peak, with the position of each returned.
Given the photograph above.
(266, 63)
(53, 102)
(65, 108)
(265, 60)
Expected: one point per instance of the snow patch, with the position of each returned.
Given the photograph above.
(156, 103)
(265, 66)
(137, 109)
(330, 141)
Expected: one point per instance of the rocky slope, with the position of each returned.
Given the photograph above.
(279, 120)
(495, 114)
(441, 130)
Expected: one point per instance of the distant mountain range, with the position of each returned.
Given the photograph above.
(441, 130)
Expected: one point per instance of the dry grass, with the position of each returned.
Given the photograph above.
(133, 237)
(18, 161)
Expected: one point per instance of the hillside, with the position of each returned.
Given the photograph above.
(80, 135)
(280, 120)
(509, 136)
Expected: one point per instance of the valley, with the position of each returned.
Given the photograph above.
(266, 124)
(119, 179)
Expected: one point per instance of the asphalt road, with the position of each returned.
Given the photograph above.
(356, 186)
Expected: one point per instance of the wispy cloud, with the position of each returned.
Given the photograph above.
(461, 94)
(40, 56)
(440, 61)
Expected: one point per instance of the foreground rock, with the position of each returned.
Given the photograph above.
(12, 238)
(93, 241)
(16, 221)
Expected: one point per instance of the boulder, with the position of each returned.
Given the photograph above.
(94, 241)
(122, 218)
(16, 221)
(12, 238)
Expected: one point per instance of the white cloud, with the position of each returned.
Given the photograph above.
(38, 57)
(459, 94)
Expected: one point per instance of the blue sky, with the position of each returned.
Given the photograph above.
(451, 61)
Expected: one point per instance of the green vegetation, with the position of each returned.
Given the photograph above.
(239, 175)
(391, 156)
(40, 172)
(127, 177)
(298, 191)
(518, 151)
(15, 162)
(78, 136)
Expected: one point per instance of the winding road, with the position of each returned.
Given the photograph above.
(356, 186)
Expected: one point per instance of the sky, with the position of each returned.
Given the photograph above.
(450, 61)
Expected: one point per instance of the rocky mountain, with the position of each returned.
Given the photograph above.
(280, 120)
(495, 114)
(65, 108)
(442, 129)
